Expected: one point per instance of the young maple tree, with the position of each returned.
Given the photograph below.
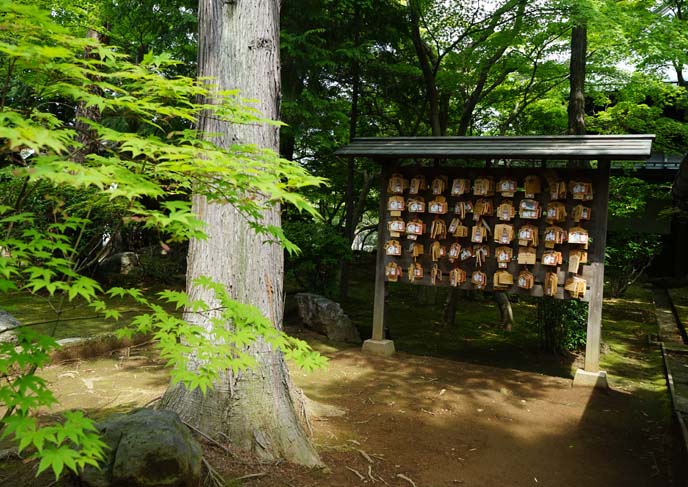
(45, 69)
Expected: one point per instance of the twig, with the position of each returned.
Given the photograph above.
(215, 477)
(250, 476)
(356, 472)
(366, 456)
(155, 399)
(212, 440)
(404, 477)
(381, 479)
(370, 473)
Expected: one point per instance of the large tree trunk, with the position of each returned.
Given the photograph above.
(255, 409)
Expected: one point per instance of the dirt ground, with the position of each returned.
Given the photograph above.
(413, 420)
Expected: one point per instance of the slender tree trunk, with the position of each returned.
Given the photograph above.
(507, 314)
(350, 224)
(86, 135)
(255, 409)
(576, 112)
(424, 54)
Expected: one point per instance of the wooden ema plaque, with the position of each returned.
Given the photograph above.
(550, 223)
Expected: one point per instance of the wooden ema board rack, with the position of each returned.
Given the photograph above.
(595, 226)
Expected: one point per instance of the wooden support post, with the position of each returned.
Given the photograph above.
(377, 344)
(591, 375)
(592, 342)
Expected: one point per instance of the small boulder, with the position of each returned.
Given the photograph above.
(327, 317)
(147, 448)
(7, 323)
(119, 263)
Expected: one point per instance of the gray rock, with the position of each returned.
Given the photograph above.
(7, 322)
(147, 448)
(327, 317)
(120, 263)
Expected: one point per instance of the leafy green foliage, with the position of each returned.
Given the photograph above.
(562, 324)
(142, 170)
(315, 267)
(627, 256)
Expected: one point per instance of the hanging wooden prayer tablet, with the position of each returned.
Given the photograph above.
(482, 207)
(556, 212)
(395, 205)
(579, 213)
(417, 184)
(396, 227)
(581, 190)
(504, 255)
(417, 249)
(481, 253)
(393, 271)
(397, 184)
(461, 231)
(554, 236)
(551, 258)
(480, 231)
(479, 279)
(460, 186)
(439, 184)
(457, 276)
(532, 186)
(454, 251)
(503, 233)
(507, 187)
(462, 208)
(551, 283)
(415, 272)
(465, 254)
(438, 229)
(502, 280)
(435, 274)
(577, 257)
(528, 235)
(527, 256)
(393, 247)
(453, 225)
(416, 205)
(484, 187)
(438, 206)
(506, 211)
(557, 190)
(525, 280)
(578, 235)
(575, 285)
(415, 227)
(529, 209)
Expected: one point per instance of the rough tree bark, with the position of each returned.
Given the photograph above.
(258, 410)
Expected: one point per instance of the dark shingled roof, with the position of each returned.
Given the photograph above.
(625, 147)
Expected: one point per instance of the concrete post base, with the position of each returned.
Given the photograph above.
(378, 347)
(590, 379)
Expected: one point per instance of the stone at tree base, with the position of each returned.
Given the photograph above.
(7, 322)
(148, 448)
(327, 317)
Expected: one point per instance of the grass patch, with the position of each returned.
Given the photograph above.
(76, 319)
(680, 298)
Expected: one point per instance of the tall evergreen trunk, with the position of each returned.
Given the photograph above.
(576, 111)
(551, 311)
(349, 226)
(258, 410)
